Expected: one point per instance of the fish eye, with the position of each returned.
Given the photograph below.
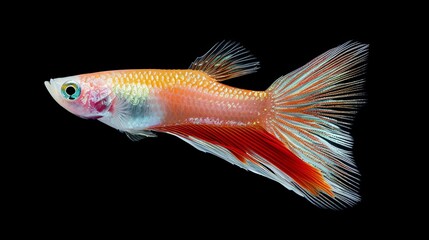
(70, 90)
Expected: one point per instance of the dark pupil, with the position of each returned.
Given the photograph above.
(70, 90)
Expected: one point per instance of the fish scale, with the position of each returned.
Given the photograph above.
(181, 92)
(295, 133)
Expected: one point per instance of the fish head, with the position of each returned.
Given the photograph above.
(86, 97)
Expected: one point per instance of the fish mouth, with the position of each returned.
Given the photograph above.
(49, 87)
(52, 87)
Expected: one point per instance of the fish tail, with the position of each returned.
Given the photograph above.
(302, 142)
(311, 114)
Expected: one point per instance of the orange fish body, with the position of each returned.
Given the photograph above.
(188, 96)
(293, 133)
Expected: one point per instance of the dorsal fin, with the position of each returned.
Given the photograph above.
(226, 60)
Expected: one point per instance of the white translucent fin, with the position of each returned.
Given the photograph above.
(263, 167)
(139, 135)
(226, 60)
(256, 165)
(313, 108)
(121, 118)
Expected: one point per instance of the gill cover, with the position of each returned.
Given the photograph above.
(87, 99)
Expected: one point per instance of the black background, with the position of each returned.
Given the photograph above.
(83, 175)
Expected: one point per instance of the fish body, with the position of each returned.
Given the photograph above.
(172, 97)
(294, 133)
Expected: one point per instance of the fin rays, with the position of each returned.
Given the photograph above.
(313, 107)
(226, 60)
(254, 149)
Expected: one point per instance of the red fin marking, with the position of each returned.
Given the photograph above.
(247, 143)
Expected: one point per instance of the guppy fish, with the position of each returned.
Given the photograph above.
(295, 132)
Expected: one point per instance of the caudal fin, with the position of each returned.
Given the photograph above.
(313, 108)
(303, 142)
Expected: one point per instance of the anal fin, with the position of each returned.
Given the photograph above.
(256, 150)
